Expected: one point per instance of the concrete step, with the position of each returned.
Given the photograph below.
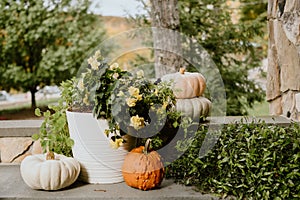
(12, 186)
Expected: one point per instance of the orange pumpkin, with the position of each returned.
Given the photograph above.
(186, 85)
(143, 169)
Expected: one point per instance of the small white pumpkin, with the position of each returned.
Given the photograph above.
(186, 85)
(49, 171)
(194, 107)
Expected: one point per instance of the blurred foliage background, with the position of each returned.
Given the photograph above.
(235, 36)
(43, 44)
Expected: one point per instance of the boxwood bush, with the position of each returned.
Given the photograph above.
(249, 161)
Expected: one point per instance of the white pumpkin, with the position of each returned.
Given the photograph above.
(194, 107)
(186, 85)
(39, 172)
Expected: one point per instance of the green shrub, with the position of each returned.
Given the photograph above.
(249, 161)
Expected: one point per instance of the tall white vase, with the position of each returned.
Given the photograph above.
(99, 162)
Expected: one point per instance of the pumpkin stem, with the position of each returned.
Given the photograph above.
(147, 145)
(50, 155)
(181, 70)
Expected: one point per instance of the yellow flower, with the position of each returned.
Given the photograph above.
(97, 54)
(114, 66)
(83, 75)
(160, 111)
(133, 91)
(106, 132)
(116, 75)
(117, 143)
(131, 102)
(80, 85)
(93, 62)
(140, 74)
(120, 94)
(164, 106)
(139, 97)
(86, 99)
(137, 122)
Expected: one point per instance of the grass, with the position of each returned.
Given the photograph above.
(259, 109)
(24, 111)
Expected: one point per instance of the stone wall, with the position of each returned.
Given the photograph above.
(15, 140)
(15, 149)
(283, 80)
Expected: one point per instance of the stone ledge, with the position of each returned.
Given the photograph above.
(19, 128)
(12, 186)
(278, 120)
(16, 142)
(26, 128)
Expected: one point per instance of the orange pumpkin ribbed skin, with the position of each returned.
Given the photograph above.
(186, 85)
(143, 171)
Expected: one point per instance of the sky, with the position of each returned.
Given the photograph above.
(117, 7)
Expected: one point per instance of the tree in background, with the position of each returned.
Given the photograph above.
(229, 44)
(256, 11)
(165, 16)
(44, 42)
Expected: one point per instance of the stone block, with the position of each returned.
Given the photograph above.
(297, 98)
(275, 107)
(292, 6)
(291, 22)
(14, 147)
(36, 148)
(288, 59)
(272, 8)
(273, 75)
(21, 157)
(289, 104)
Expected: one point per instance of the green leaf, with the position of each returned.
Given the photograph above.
(37, 112)
(70, 142)
(35, 136)
(256, 165)
(47, 114)
(175, 124)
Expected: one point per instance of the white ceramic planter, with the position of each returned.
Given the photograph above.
(99, 162)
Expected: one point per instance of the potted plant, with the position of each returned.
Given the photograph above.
(107, 112)
(99, 162)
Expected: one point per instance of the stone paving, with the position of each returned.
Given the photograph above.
(12, 186)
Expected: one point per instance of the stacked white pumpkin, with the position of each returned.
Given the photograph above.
(188, 89)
